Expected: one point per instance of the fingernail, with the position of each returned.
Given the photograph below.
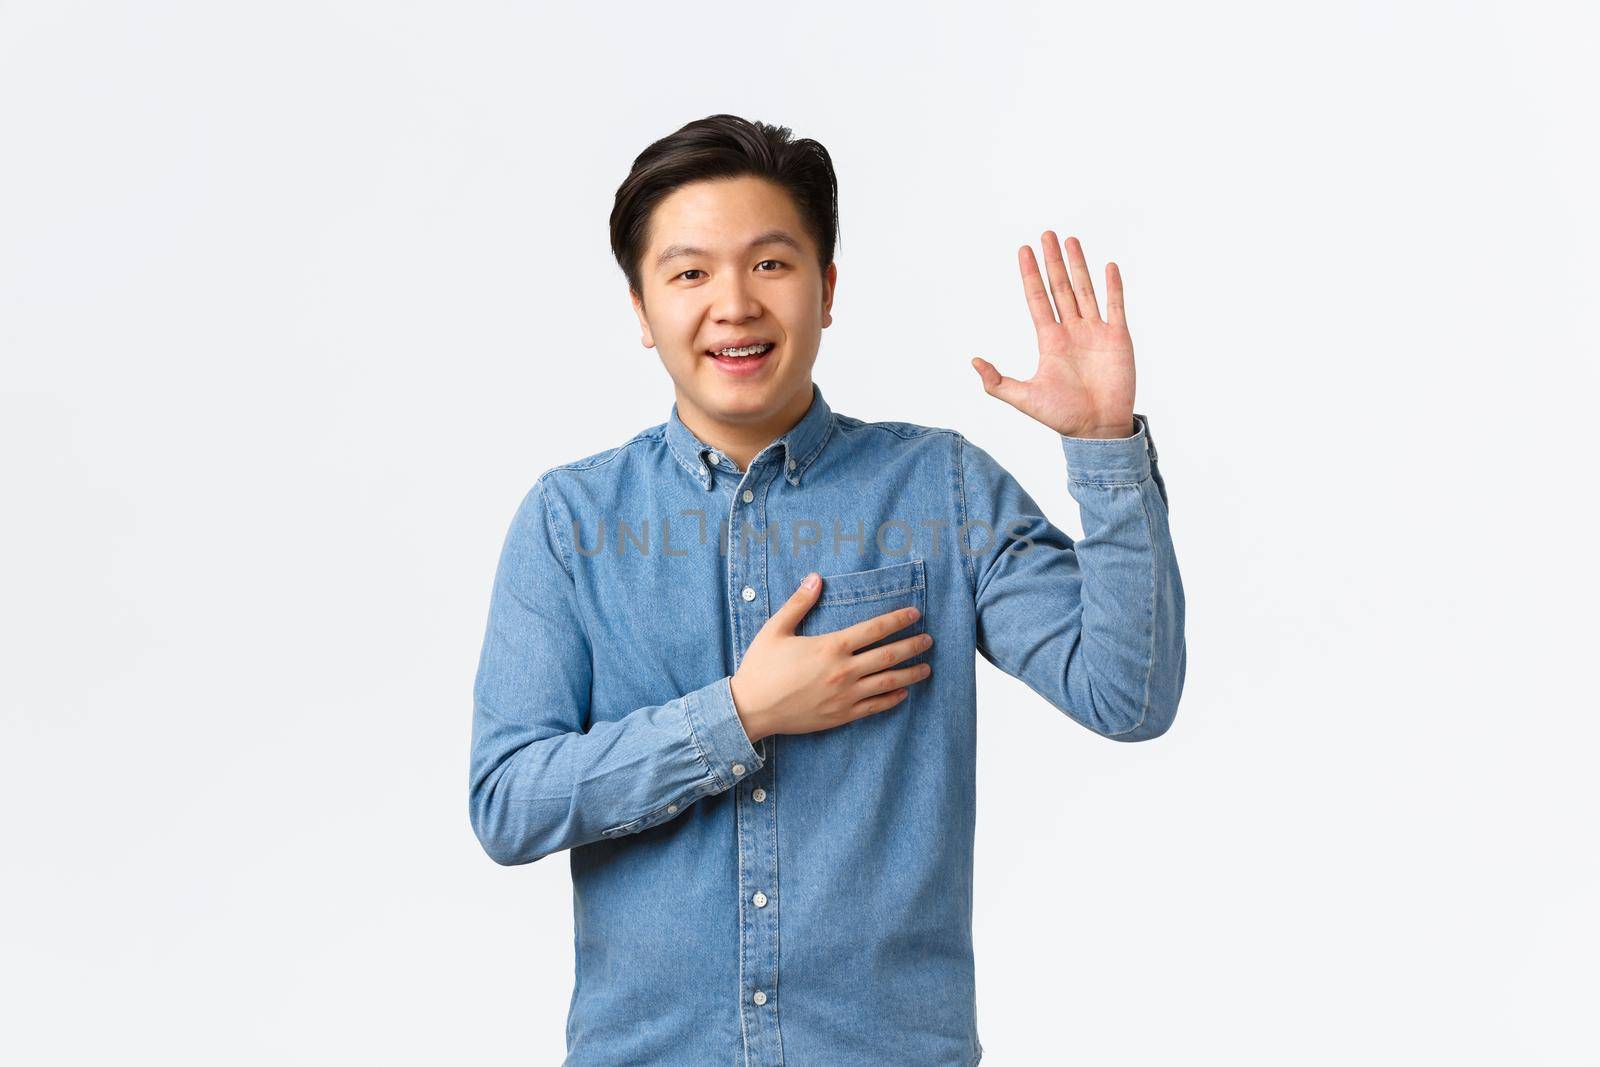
(811, 581)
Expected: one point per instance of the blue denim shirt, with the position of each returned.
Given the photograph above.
(806, 900)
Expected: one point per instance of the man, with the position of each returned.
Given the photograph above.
(766, 787)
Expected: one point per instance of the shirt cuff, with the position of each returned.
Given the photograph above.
(720, 734)
(1108, 460)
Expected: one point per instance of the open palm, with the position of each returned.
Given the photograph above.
(1083, 386)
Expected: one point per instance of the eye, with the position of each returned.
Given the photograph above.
(696, 270)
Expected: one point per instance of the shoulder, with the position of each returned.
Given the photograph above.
(889, 432)
(607, 465)
(925, 442)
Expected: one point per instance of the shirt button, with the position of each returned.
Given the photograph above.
(758, 794)
(791, 464)
(671, 808)
(760, 997)
(738, 769)
(760, 898)
(748, 496)
(748, 594)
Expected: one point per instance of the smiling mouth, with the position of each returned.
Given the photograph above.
(747, 366)
(750, 353)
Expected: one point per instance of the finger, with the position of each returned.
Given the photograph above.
(1082, 285)
(871, 705)
(880, 659)
(867, 631)
(903, 649)
(1060, 281)
(998, 385)
(888, 681)
(1033, 288)
(788, 616)
(1114, 312)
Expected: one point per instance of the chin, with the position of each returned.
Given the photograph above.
(713, 383)
(743, 403)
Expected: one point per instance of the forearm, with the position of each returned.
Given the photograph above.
(1127, 673)
(532, 795)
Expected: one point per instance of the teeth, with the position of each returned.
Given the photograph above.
(742, 352)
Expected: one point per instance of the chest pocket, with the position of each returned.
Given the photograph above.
(856, 596)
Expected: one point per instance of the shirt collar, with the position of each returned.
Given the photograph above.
(796, 448)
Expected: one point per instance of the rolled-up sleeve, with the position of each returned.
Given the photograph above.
(1095, 626)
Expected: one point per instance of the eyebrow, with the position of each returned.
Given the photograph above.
(771, 237)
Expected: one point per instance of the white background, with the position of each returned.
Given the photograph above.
(297, 299)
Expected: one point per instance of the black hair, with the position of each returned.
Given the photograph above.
(724, 146)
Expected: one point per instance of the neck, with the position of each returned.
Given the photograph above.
(743, 441)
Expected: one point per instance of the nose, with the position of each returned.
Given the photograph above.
(733, 300)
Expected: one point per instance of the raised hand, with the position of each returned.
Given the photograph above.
(1083, 386)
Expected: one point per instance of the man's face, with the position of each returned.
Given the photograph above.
(727, 290)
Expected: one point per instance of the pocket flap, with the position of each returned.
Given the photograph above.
(878, 583)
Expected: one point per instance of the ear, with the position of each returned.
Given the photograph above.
(829, 280)
(644, 323)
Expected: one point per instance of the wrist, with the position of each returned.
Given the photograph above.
(1103, 433)
(753, 727)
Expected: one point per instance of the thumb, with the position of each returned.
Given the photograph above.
(800, 601)
(996, 384)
